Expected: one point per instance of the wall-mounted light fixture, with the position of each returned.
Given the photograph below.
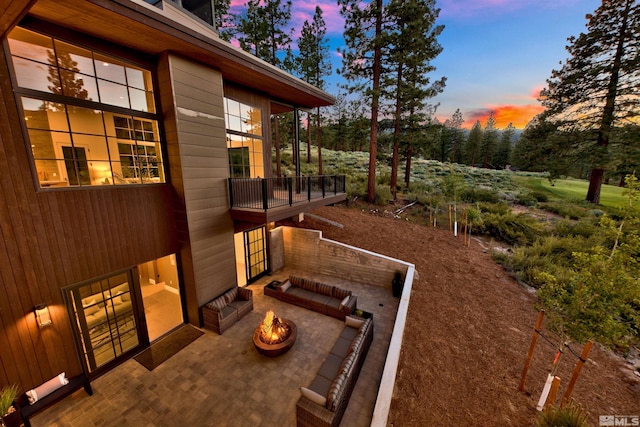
(43, 317)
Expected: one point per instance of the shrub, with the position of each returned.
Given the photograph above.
(526, 199)
(572, 415)
(383, 195)
(566, 209)
(500, 208)
(473, 195)
(515, 229)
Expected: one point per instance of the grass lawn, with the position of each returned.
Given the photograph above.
(574, 190)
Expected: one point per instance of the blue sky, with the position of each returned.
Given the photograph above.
(497, 53)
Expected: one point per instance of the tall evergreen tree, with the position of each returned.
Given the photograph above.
(503, 153)
(455, 134)
(223, 20)
(362, 65)
(473, 144)
(262, 31)
(313, 65)
(410, 39)
(489, 141)
(596, 88)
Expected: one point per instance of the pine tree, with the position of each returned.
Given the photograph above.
(455, 133)
(410, 39)
(489, 141)
(472, 146)
(262, 31)
(223, 20)
(596, 88)
(313, 65)
(362, 66)
(503, 153)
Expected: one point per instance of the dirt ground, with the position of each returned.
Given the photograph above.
(468, 331)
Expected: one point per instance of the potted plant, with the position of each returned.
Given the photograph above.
(10, 416)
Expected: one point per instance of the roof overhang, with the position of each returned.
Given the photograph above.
(145, 28)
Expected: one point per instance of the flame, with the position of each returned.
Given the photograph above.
(272, 329)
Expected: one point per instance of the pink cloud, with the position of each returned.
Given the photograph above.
(474, 8)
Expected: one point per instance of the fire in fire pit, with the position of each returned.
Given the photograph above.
(275, 336)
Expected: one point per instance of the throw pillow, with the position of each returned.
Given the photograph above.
(313, 396)
(353, 322)
(47, 388)
(117, 300)
(285, 286)
(91, 309)
(344, 302)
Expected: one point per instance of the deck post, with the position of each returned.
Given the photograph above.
(265, 199)
(290, 184)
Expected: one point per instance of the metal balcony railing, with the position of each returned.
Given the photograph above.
(269, 193)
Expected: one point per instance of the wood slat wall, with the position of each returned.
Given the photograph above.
(191, 98)
(52, 239)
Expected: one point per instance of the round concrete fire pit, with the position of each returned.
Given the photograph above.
(276, 349)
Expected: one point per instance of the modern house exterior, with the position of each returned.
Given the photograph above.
(135, 151)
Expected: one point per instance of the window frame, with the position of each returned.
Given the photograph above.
(98, 47)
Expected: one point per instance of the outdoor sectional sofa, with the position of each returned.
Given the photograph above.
(225, 310)
(320, 297)
(324, 402)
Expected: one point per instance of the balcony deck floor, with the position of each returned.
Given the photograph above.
(221, 380)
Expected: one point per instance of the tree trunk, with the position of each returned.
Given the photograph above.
(407, 171)
(319, 140)
(373, 135)
(595, 184)
(396, 136)
(608, 112)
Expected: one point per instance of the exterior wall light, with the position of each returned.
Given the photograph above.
(43, 317)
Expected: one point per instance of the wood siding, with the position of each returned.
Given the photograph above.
(50, 239)
(191, 96)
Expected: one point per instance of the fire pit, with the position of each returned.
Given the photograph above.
(274, 336)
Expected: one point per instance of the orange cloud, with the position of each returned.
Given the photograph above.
(518, 115)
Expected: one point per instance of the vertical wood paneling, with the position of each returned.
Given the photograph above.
(53, 239)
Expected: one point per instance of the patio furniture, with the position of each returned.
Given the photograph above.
(310, 294)
(29, 410)
(323, 403)
(225, 310)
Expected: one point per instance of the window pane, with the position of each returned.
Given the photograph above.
(139, 78)
(31, 45)
(79, 86)
(85, 120)
(74, 58)
(141, 100)
(108, 68)
(113, 94)
(96, 145)
(40, 114)
(34, 75)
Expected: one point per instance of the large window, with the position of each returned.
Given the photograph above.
(91, 118)
(244, 139)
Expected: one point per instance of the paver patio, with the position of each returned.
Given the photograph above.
(221, 380)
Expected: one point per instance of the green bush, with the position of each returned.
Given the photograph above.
(515, 229)
(572, 415)
(566, 209)
(383, 195)
(473, 195)
(500, 208)
(526, 198)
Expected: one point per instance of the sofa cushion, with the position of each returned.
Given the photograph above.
(348, 362)
(309, 285)
(301, 293)
(320, 385)
(340, 293)
(341, 347)
(218, 303)
(324, 289)
(228, 311)
(344, 302)
(313, 396)
(320, 299)
(349, 333)
(231, 295)
(335, 392)
(330, 367)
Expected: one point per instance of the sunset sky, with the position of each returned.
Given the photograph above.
(497, 53)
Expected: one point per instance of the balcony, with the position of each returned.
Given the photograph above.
(263, 200)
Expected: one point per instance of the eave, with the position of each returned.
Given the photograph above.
(147, 29)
